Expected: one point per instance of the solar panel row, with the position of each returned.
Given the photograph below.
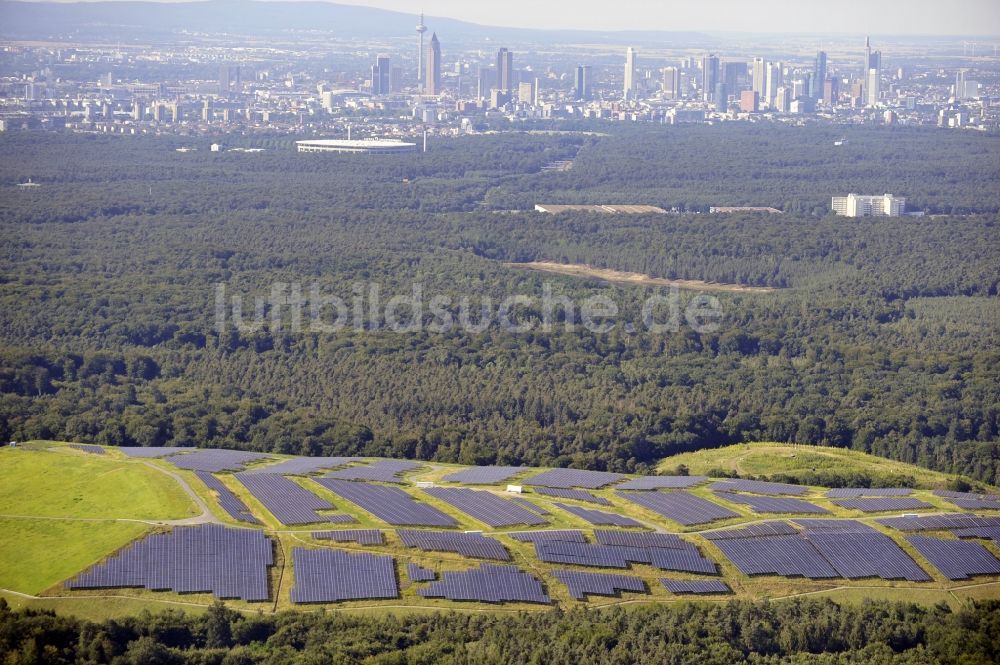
(753, 531)
(229, 502)
(418, 573)
(599, 517)
(695, 586)
(488, 584)
(579, 495)
(303, 466)
(856, 492)
(389, 504)
(215, 460)
(486, 507)
(789, 556)
(87, 448)
(956, 559)
(758, 487)
(359, 536)
(687, 559)
(640, 539)
(581, 584)
(535, 508)
(566, 478)
(328, 576)
(681, 507)
(859, 554)
(772, 504)
(386, 471)
(938, 522)
(229, 563)
(473, 545)
(538, 536)
(646, 483)
(152, 452)
(289, 502)
(987, 532)
(881, 505)
(484, 475)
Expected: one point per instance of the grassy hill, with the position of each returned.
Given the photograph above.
(800, 461)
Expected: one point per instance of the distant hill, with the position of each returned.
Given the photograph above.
(132, 21)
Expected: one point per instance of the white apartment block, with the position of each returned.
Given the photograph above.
(855, 205)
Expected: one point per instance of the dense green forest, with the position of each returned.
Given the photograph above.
(881, 335)
(806, 631)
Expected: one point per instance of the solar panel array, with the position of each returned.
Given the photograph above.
(681, 507)
(539, 536)
(599, 517)
(938, 522)
(152, 452)
(359, 536)
(639, 539)
(758, 487)
(289, 502)
(566, 478)
(229, 502)
(579, 495)
(303, 466)
(686, 558)
(882, 504)
(646, 483)
(855, 492)
(956, 559)
(695, 586)
(389, 504)
(485, 506)
(820, 524)
(418, 573)
(215, 460)
(789, 556)
(484, 475)
(329, 576)
(229, 563)
(772, 504)
(970, 501)
(753, 531)
(859, 554)
(474, 545)
(987, 532)
(386, 471)
(87, 448)
(488, 584)
(581, 584)
(533, 507)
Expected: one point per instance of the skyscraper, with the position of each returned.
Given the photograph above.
(709, 76)
(873, 74)
(421, 29)
(819, 76)
(584, 83)
(759, 76)
(630, 71)
(486, 82)
(505, 70)
(382, 75)
(433, 71)
(773, 82)
(671, 83)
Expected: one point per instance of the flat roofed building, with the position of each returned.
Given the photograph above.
(364, 146)
(608, 209)
(855, 205)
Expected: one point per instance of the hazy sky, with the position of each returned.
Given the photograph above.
(847, 16)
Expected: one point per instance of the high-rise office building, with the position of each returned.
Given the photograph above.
(734, 75)
(432, 72)
(709, 76)
(749, 101)
(583, 88)
(396, 79)
(782, 99)
(773, 82)
(721, 97)
(873, 74)
(759, 77)
(629, 89)
(486, 82)
(831, 91)
(382, 75)
(505, 71)
(818, 77)
(671, 83)
(526, 92)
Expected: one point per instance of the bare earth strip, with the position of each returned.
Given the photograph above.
(583, 270)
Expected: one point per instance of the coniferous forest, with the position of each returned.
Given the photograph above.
(879, 335)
